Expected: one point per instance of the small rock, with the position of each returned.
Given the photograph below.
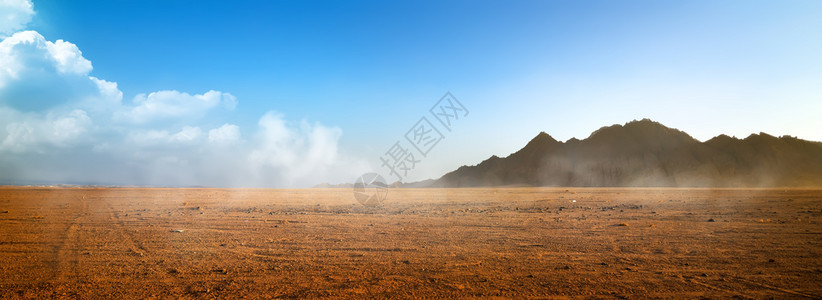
(711, 220)
(220, 271)
(704, 275)
(771, 260)
(4, 212)
(622, 224)
(178, 230)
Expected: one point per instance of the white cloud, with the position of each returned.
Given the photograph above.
(298, 152)
(173, 104)
(226, 134)
(69, 126)
(186, 135)
(32, 132)
(30, 49)
(67, 56)
(53, 114)
(14, 15)
(37, 74)
(275, 141)
(57, 122)
(110, 96)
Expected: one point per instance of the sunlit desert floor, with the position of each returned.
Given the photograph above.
(516, 242)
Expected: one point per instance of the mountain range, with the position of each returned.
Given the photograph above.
(645, 153)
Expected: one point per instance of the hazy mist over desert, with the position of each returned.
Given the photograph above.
(435, 149)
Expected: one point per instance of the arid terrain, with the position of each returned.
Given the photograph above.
(483, 242)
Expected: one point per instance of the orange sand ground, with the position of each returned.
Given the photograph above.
(508, 242)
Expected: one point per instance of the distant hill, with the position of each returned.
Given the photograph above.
(648, 154)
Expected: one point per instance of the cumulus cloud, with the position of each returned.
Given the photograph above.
(278, 153)
(14, 15)
(174, 104)
(226, 134)
(59, 123)
(33, 132)
(186, 135)
(297, 152)
(37, 74)
(29, 51)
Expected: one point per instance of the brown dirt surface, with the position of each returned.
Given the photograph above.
(484, 242)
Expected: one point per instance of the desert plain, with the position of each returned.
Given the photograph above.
(463, 242)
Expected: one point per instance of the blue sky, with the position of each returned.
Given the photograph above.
(335, 83)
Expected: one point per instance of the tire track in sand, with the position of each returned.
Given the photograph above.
(137, 248)
(67, 253)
